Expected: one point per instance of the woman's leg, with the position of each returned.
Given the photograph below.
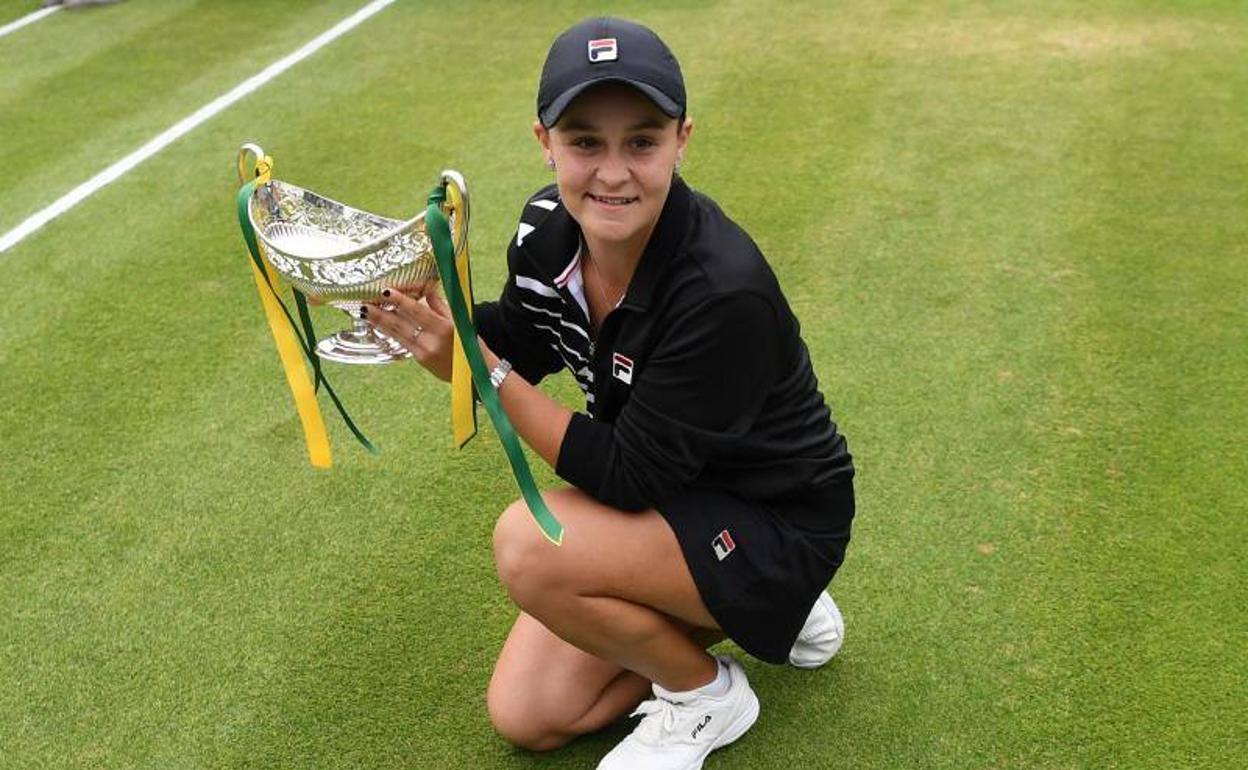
(545, 692)
(617, 592)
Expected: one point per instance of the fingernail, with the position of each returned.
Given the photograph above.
(385, 292)
(363, 312)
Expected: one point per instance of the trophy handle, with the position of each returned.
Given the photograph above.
(250, 157)
(449, 177)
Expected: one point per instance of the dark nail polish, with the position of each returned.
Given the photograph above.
(385, 293)
(363, 312)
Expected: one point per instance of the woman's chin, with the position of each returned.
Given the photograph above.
(608, 230)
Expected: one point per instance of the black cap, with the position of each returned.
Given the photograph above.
(604, 50)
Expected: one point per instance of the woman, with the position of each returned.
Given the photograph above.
(711, 493)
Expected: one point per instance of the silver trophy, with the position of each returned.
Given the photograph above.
(344, 256)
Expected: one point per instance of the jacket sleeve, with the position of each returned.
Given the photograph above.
(701, 388)
(508, 329)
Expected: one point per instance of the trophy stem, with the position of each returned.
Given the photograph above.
(361, 344)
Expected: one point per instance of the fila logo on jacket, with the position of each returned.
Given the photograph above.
(552, 306)
(622, 368)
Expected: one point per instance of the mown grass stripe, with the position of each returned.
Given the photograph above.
(28, 19)
(185, 126)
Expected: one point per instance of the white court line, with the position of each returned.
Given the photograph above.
(29, 18)
(185, 125)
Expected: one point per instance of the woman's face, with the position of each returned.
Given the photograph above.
(614, 152)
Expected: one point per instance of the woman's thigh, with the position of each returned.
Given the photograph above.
(605, 552)
(544, 691)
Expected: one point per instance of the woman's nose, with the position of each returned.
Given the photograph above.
(613, 171)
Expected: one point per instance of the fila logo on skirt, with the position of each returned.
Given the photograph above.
(622, 368)
(723, 545)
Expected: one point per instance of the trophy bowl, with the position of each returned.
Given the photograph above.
(344, 256)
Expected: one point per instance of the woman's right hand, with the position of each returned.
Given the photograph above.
(422, 325)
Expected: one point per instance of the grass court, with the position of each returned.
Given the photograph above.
(1014, 234)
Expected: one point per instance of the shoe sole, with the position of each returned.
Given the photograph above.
(839, 621)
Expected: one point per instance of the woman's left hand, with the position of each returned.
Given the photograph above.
(421, 324)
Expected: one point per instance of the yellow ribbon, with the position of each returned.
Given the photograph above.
(463, 406)
(289, 349)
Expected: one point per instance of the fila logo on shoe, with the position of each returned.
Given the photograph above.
(603, 49)
(723, 545)
(706, 720)
(622, 368)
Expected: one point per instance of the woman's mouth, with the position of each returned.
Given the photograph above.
(611, 201)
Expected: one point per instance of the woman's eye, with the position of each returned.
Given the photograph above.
(590, 143)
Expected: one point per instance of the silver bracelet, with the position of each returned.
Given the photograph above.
(499, 372)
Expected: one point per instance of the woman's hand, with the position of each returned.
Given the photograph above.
(421, 324)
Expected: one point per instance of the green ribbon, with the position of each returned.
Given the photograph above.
(307, 342)
(439, 229)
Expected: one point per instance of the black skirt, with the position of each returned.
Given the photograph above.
(760, 566)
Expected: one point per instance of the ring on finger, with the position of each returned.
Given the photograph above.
(419, 329)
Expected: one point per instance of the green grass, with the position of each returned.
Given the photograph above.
(1014, 234)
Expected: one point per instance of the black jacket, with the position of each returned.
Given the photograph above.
(699, 375)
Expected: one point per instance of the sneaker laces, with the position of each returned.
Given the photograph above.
(659, 718)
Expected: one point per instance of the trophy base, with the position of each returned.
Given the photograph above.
(361, 345)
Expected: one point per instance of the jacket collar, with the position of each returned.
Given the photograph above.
(554, 245)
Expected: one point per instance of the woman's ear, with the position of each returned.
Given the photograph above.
(682, 136)
(543, 138)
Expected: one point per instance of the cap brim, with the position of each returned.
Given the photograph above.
(550, 115)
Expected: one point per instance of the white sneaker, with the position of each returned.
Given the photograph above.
(822, 635)
(680, 728)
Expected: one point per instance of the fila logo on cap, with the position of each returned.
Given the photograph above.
(603, 49)
(723, 545)
(622, 368)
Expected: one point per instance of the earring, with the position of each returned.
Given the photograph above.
(550, 163)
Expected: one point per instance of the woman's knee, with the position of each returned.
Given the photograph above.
(515, 719)
(526, 561)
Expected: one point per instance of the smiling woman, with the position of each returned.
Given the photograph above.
(613, 152)
(711, 494)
